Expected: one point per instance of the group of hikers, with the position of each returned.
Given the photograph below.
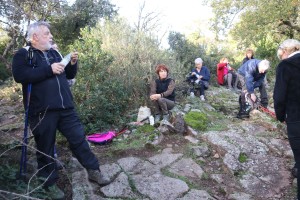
(49, 104)
(249, 76)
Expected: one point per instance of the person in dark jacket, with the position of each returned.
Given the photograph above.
(287, 96)
(199, 76)
(51, 106)
(162, 93)
(249, 55)
(251, 75)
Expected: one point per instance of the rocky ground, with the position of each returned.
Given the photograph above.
(233, 159)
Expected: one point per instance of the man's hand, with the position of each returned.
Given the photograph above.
(155, 96)
(253, 97)
(57, 68)
(74, 58)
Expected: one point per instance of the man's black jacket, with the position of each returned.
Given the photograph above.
(49, 91)
(287, 90)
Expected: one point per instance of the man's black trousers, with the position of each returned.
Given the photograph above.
(44, 127)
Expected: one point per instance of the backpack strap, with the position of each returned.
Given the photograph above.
(30, 55)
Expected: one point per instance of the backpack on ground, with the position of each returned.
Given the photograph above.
(246, 105)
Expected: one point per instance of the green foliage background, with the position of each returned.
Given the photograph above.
(117, 60)
(115, 70)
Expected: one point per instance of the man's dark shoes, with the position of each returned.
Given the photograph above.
(96, 176)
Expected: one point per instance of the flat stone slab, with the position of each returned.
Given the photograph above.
(164, 159)
(119, 188)
(160, 187)
(81, 188)
(186, 167)
(196, 195)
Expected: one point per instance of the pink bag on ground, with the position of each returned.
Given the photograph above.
(102, 138)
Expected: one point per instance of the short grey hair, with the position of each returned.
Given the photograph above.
(290, 45)
(33, 28)
(198, 61)
(265, 64)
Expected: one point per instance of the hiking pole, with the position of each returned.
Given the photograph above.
(23, 162)
(23, 166)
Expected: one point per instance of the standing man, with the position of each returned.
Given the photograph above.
(251, 75)
(287, 95)
(51, 106)
(199, 78)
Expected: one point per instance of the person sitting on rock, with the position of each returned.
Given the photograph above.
(162, 93)
(199, 78)
(226, 74)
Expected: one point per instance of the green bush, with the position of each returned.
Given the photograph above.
(4, 74)
(196, 120)
(115, 68)
(100, 96)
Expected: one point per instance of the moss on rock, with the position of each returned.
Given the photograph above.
(197, 120)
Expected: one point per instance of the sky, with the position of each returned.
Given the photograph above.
(184, 16)
(181, 16)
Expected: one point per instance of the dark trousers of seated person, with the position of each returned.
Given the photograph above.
(44, 128)
(198, 86)
(262, 90)
(293, 132)
(163, 105)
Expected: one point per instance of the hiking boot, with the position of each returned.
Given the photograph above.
(54, 192)
(156, 118)
(96, 176)
(166, 117)
(192, 94)
(202, 98)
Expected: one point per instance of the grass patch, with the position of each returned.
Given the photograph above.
(196, 120)
(243, 158)
(239, 173)
(136, 140)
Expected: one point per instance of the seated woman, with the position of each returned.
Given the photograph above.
(199, 78)
(226, 74)
(162, 93)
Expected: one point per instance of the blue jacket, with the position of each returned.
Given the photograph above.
(253, 78)
(49, 91)
(203, 72)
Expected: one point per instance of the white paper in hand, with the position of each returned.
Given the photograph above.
(66, 60)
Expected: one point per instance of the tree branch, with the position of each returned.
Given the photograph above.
(289, 24)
